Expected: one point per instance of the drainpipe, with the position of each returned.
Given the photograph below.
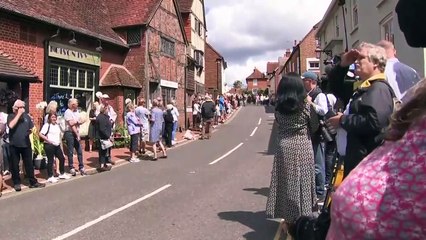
(147, 81)
(185, 93)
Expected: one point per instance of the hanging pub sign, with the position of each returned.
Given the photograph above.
(74, 54)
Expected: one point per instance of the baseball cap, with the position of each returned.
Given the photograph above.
(310, 75)
(105, 96)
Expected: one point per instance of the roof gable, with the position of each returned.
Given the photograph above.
(256, 74)
(138, 12)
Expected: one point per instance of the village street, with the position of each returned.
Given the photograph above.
(207, 189)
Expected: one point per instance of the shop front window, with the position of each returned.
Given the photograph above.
(67, 82)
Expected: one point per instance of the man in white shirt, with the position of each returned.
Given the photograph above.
(318, 101)
(111, 113)
(72, 136)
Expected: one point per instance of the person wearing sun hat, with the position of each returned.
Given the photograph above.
(318, 100)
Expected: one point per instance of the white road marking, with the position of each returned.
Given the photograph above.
(226, 154)
(271, 116)
(254, 131)
(110, 214)
(260, 120)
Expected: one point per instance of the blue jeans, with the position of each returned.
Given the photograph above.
(175, 125)
(72, 143)
(319, 157)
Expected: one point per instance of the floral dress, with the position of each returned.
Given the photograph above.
(292, 189)
(384, 197)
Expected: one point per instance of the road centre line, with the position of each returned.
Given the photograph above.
(254, 131)
(110, 214)
(260, 121)
(226, 154)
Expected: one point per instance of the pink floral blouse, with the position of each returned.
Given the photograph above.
(384, 197)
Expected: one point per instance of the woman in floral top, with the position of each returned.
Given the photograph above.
(384, 197)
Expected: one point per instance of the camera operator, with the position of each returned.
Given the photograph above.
(318, 100)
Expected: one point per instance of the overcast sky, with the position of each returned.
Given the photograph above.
(249, 33)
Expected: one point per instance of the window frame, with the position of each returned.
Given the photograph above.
(66, 89)
(168, 94)
(167, 46)
(255, 83)
(387, 22)
(354, 14)
(137, 36)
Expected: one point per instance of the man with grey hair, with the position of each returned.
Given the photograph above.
(72, 136)
(20, 127)
(370, 106)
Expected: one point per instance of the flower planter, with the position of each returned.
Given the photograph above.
(40, 163)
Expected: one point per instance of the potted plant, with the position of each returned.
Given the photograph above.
(38, 150)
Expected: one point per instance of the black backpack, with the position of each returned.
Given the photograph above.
(168, 116)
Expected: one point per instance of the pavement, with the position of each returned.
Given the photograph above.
(91, 163)
(209, 189)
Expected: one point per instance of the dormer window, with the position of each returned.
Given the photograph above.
(134, 36)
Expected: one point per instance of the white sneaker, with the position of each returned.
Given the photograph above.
(134, 160)
(52, 180)
(64, 176)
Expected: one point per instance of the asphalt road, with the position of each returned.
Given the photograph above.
(208, 189)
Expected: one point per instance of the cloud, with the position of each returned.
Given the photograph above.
(249, 33)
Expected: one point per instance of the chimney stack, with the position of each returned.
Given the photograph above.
(287, 53)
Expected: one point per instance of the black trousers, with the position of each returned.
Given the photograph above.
(168, 130)
(104, 154)
(26, 153)
(53, 151)
(330, 155)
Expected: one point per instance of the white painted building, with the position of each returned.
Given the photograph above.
(366, 21)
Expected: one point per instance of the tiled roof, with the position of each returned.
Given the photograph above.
(185, 5)
(132, 12)
(256, 74)
(271, 66)
(117, 75)
(91, 18)
(10, 69)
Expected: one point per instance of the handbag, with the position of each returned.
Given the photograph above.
(105, 144)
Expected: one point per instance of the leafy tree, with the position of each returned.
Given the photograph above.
(238, 84)
(260, 92)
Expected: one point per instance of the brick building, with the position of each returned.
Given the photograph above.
(256, 81)
(215, 71)
(154, 32)
(194, 19)
(303, 57)
(78, 48)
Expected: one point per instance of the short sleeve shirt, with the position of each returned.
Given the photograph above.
(70, 115)
(142, 113)
(19, 135)
(53, 133)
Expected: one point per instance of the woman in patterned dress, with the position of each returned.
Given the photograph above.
(384, 196)
(156, 131)
(292, 189)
